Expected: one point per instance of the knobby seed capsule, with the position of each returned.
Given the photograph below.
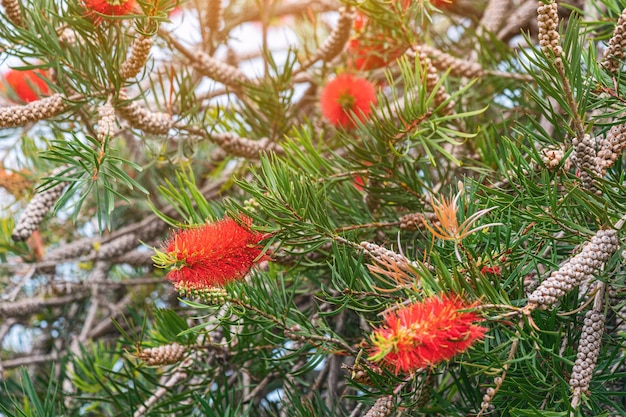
(140, 118)
(380, 253)
(15, 116)
(218, 70)
(337, 40)
(578, 269)
(382, 408)
(162, 355)
(139, 51)
(585, 159)
(106, 121)
(495, 15)
(588, 350)
(13, 12)
(35, 211)
(611, 147)
(548, 22)
(614, 53)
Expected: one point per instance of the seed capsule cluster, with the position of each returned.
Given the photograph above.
(118, 246)
(13, 12)
(141, 118)
(458, 67)
(162, 355)
(20, 308)
(585, 159)
(139, 51)
(378, 252)
(611, 147)
(588, 349)
(35, 211)
(218, 70)
(215, 15)
(106, 121)
(580, 268)
(614, 53)
(14, 116)
(495, 15)
(243, 147)
(552, 157)
(382, 408)
(336, 41)
(432, 79)
(548, 22)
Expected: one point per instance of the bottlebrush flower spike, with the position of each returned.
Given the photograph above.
(27, 84)
(211, 255)
(425, 333)
(345, 94)
(108, 7)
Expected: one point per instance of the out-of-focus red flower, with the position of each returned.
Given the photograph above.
(108, 7)
(492, 270)
(213, 254)
(423, 334)
(372, 46)
(344, 94)
(372, 52)
(441, 4)
(27, 84)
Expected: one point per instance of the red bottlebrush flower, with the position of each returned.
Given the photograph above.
(492, 270)
(212, 255)
(27, 85)
(344, 94)
(108, 7)
(370, 53)
(441, 4)
(423, 334)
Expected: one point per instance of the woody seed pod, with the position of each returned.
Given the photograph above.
(548, 22)
(614, 53)
(588, 349)
(141, 118)
(14, 116)
(215, 15)
(432, 79)
(218, 70)
(337, 39)
(35, 211)
(458, 67)
(378, 252)
(581, 267)
(13, 11)
(382, 408)
(552, 156)
(106, 121)
(139, 51)
(495, 14)
(162, 355)
(243, 147)
(611, 147)
(585, 159)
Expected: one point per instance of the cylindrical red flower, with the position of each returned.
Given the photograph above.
(425, 333)
(27, 84)
(213, 254)
(344, 94)
(109, 7)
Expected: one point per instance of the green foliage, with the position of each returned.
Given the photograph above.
(277, 343)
